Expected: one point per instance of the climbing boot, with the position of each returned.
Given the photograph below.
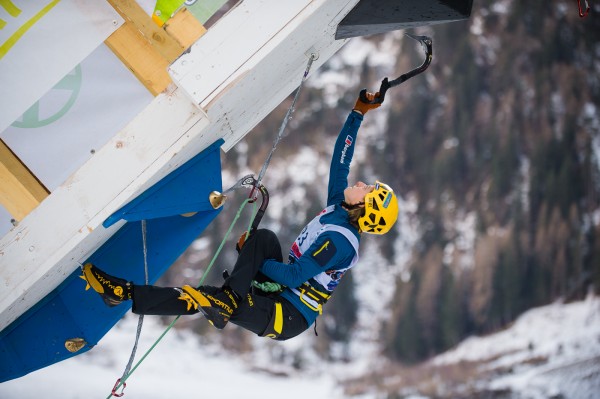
(217, 305)
(113, 290)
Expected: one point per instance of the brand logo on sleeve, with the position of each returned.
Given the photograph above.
(347, 143)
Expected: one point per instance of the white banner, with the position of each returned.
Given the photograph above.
(73, 120)
(41, 41)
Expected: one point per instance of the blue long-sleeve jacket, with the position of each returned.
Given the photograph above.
(324, 262)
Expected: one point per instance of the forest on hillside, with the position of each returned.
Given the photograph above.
(503, 131)
(506, 134)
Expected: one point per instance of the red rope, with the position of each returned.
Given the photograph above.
(583, 13)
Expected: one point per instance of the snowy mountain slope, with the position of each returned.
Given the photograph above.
(552, 351)
(549, 352)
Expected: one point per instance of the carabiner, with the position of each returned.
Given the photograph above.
(582, 13)
(114, 390)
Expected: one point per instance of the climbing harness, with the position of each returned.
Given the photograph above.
(427, 45)
(217, 199)
(139, 326)
(583, 13)
(312, 297)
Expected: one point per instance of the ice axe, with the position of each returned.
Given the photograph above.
(427, 45)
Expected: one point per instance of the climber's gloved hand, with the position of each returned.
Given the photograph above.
(362, 107)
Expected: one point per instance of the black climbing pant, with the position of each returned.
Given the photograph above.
(264, 314)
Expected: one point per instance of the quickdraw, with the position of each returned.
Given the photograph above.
(314, 295)
(427, 45)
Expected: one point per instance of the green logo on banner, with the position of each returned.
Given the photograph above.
(70, 84)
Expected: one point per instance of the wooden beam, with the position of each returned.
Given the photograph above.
(184, 28)
(147, 49)
(164, 44)
(20, 190)
(136, 43)
(146, 63)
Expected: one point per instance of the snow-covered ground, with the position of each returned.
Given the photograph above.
(551, 351)
(180, 366)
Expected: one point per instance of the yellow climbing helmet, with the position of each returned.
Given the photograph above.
(381, 210)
